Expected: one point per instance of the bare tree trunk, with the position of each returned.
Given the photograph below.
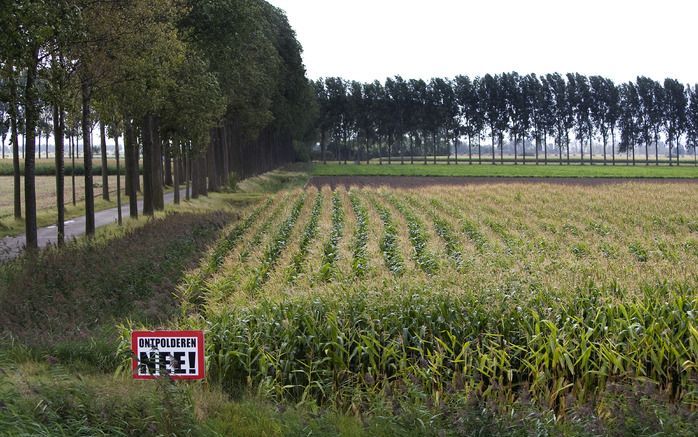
(545, 147)
(60, 200)
(31, 116)
(73, 146)
(148, 170)
(158, 178)
(176, 177)
(187, 175)
(131, 157)
(613, 146)
(470, 150)
(119, 217)
(411, 149)
(87, 157)
(105, 169)
(168, 164)
(15, 146)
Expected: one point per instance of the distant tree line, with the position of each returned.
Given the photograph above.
(197, 89)
(539, 115)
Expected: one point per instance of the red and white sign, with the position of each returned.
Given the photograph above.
(178, 354)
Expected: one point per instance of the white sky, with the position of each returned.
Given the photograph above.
(372, 39)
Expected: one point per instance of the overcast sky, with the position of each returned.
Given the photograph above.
(372, 39)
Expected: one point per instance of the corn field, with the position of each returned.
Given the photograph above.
(549, 292)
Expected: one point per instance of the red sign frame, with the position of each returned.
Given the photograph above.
(199, 335)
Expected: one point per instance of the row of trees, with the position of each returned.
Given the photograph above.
(411, 117)
(197, 89)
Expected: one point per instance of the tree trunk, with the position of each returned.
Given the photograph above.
(581, 148)
(516, 152)
(60, 194)
(148, 170)
(131, 158)
(523, 148)
(210, 161)
(493, 156)
(195, 179)
(411, 149)
(368, 154)
(31, 116)
(176, 177)
(86, 89)
(105, 170)
(168, 164)
(479, 149)
(158, 177)
(559, 146)
(545, 147)
(613, 147)
(433, 140)
(470, 150)
(656, 149)
(118, 178)
(14, 136)
(187, 175)
(73, 146)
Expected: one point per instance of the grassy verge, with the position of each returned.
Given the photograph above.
(573, 171)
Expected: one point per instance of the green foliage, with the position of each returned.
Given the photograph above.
(330, 250)
(274, 250)
(446, 344)
(360, 262)
(309, 234)
(389, 243)
(418, 238)
(683, 172)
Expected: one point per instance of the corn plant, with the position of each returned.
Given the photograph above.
(309, 234)
(389, 243)
(275, 248)
(331, 248)
(360, 261)
(416, 230)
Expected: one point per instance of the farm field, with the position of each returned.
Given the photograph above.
(46, 198)
(435, 296)
(492, 309)
(507, 170)
(47, 167)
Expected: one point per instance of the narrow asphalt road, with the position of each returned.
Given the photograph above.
(11, 247)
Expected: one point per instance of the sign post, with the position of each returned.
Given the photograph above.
(177, 354)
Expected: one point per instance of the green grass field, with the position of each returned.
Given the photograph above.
(507, 170)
